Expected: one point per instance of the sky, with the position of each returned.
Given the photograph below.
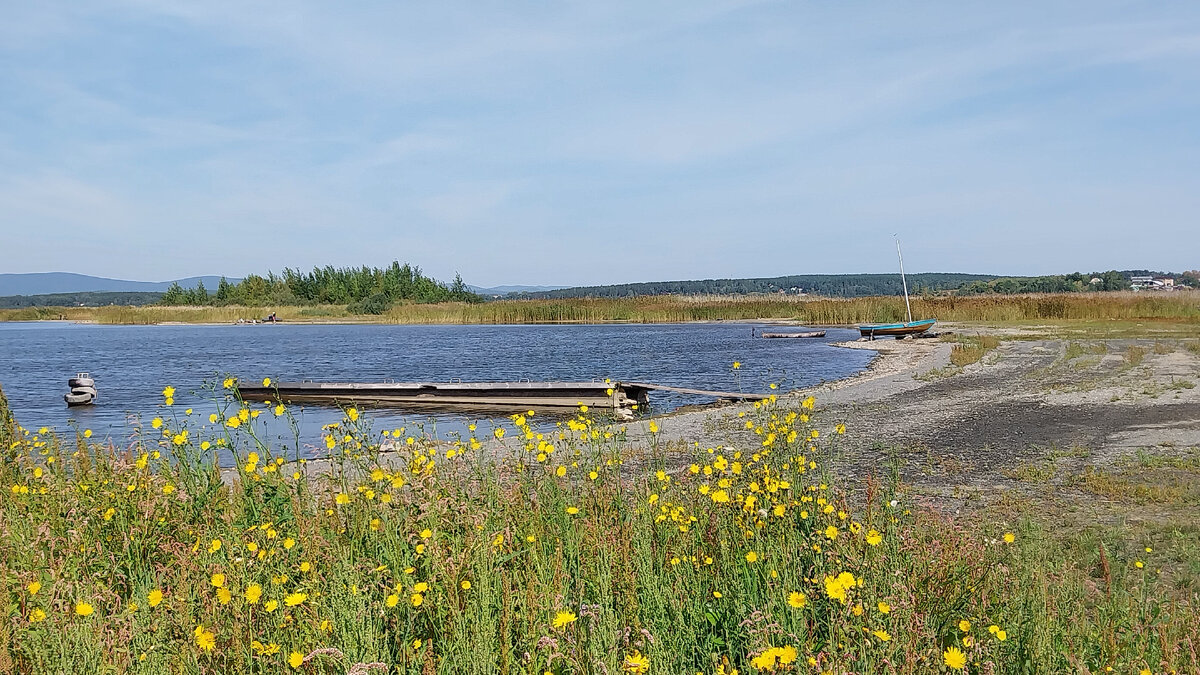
(578, 143)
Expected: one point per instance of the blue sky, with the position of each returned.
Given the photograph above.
(581, 143)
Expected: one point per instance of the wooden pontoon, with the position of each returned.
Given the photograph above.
(809, 334)
(620, 396)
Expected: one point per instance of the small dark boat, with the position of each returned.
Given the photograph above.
(809, 334)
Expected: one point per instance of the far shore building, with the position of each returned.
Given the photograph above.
(1152, 283)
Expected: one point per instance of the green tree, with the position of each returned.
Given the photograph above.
(175, 295)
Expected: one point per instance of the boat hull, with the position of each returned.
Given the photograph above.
(896, 329)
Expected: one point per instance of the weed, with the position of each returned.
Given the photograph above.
(1134, 355)
(568, 551)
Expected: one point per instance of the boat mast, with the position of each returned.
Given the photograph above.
(903, 282)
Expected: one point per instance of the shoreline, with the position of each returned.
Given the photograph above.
(366, 322)
(885, 374)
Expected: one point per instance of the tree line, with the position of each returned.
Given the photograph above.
(831, 285)
(1058, 283)
(80, 299)
(367, 290)
(863, 285)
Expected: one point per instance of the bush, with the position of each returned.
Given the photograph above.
(376, 304)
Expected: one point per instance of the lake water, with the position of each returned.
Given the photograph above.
(132, 364)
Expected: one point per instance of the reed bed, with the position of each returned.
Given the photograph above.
(568, 552)
(1121, 306)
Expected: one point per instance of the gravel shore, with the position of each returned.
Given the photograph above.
(1098, 422)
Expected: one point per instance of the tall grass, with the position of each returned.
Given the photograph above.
(572, 552)
(1179, 306)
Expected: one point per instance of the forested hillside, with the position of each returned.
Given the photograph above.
(834, 285)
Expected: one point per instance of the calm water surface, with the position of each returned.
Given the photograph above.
(132, 364)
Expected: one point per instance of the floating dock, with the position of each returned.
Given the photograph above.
(807, 334)
(619, 396)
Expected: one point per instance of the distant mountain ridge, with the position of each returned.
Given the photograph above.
(43, 283)
(505, 290)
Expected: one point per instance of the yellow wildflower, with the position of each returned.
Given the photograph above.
(636, 663)
(563, 618)
(205, 639)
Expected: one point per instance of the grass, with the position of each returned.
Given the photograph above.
(1139, 488)
(1134, 355)
(971, 349)
(576, 551)
(1066, 309)
(1033, 473)
(1076, 349)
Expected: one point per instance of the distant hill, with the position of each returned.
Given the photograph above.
(42, 283)
(834, 285)
(505, 290)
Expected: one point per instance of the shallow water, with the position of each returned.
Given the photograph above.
(132, 364)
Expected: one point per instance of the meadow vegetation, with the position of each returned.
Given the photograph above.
(563, 548)
(970, 349)
(1111, 308)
